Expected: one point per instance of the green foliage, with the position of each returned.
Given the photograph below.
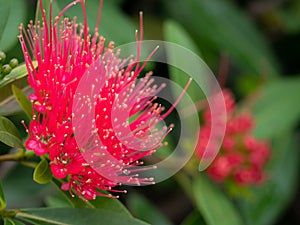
(10, 19)
(46, 6)
(57, 201)
(42, 173)
(73, 216)
(10, 106)
(10, 140)
(270, 199)
(17, 73)
(277, 108)
(2, 198)
(9, 134)
(219, 26)
(8, 126)
(194, 218)
(143, 209)
(20, 189)
(64, 198)
(210, 26)
(109, 204)
(213, 204)
(115, 25)
(8, 221)
(176, 34)
(23, 101)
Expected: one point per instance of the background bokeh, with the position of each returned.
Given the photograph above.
(252, 47)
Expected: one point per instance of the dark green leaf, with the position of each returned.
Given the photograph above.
(175, 33)
(143, 209)
(12, 18)
(15, 74)
(112, 19)
(271, 199)
(8, 126)
(21, 191)
(57, 201)
(72, 216)
(213, 204)
(23, 101)
(46, 7)
(10, 140)
(42, 173)
(73, 201)
(8, 221)
(194, 218)
(2, 198)
(277, 108)
(110, 204)
(10, 106)
(219, 26)
(9, 134)
(64, 199)
(4, 14)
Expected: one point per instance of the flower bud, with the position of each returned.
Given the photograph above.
(13, 63)
(6, 69)
(2, 57)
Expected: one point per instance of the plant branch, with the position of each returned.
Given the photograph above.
(20, 156)
(13, 156)
(8, 213)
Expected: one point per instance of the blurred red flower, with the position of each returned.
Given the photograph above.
(242, 157)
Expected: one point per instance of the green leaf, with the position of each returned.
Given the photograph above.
(23, 101)
(9, 134)
(4, 14)
(57, 201)
(21, 191)
(143, 209)
(10, 106)
(64, 198)
(73, 216)
(42, 173)
(194, 218)
(213, 204)
(8, 221)
(8, 126)
(2, 198)
(112, 19)
(111, 204)
(46, 7)
(11, 19)
(173, 32)
(277, 108)
(220, 26)
(73, 201)
(10, 140)
(271, 199)
(15, 74)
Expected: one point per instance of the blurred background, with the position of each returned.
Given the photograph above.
(252, 47)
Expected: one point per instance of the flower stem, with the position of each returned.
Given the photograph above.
(20, 156)
(28, 164)
(13, 156)
(8, 213)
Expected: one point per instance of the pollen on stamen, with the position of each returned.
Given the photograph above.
(55, 86)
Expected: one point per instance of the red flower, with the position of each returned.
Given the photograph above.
(64, 52)
(242, 157)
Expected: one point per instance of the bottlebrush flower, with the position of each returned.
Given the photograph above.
(64, 51)
(242, 157)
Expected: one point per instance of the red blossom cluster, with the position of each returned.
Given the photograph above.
(64, 51)
(242, 157)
